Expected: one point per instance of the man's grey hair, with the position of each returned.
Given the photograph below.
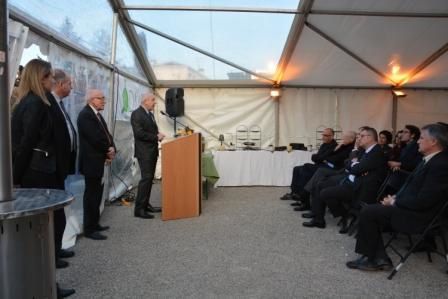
(439, 132)
(60, 75)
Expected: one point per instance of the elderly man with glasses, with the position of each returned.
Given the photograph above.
(97, 148)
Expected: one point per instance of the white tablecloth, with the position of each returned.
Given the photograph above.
(257, 168)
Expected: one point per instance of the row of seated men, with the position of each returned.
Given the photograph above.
(347, 177)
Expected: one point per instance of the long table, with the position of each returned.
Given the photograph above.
(258, 168)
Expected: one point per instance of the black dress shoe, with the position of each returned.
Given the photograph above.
(378, 264)
(287, 196)
(60, 264)
(296, 204)
(62, 293)
(143, 215)
(344, 226)
(314, 223)
(152, 209)
(100, 228)
(308, 215)
(65, 254)
(355, 263)
(302, 208)
(95, 236)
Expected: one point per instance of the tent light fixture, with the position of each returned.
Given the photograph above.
(275, 91)
(399, 93)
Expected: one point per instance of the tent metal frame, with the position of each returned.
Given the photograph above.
(303, 11)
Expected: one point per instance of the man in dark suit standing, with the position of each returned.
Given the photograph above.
(147, 137)
(97, 148)
(412, 208)
(65, 152)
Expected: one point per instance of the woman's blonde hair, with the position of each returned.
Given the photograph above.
(34, 72)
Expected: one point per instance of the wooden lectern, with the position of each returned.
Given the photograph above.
(181, 177)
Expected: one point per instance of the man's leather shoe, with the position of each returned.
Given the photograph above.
(287, 196)
(344, 226)
(100, 228)
(378, 264)
(355, 263)
(152, 209)
(296, 204)
(62, 293)
(65, 254)
(96, 236)
(308, 215)
(143, 215)
(314, 223)
(302, 208)
(60, 264)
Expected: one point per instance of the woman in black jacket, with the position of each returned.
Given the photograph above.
(34, 163)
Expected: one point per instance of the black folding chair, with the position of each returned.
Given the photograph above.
(435, 228)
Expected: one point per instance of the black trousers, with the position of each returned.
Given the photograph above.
(372, 221)
(318, 204)
(37, 179)
(301, 176)
(147, 170)
(93, 194)
(336, 196)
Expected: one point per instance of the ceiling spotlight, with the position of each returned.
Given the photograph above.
(398, 93)
(275, 91)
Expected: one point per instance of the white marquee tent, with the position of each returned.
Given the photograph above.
(335, 62)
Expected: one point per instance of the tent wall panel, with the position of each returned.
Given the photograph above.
(303, 111)
(422, 107)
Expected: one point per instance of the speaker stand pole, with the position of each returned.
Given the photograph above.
(175, 134)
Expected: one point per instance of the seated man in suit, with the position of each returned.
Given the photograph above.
(412, 208)
(362, 181)
(409, 158)
(335, 164)
(301, 174)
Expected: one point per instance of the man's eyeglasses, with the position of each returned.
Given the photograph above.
(326, 135)
(364, 135)
(99, 98)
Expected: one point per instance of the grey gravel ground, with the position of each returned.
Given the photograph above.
(246, 244)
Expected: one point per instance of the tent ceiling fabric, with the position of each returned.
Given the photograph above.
(316, 61)
(435, 75)
(383, 41)
(368, 50)
(345, 43)
(414, 6)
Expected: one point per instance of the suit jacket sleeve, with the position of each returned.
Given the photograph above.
(137, 123)
(90, 129)
(337, 157)
(412, 158)
(324, 151)
(433, 187)
(31, 118)
(374, 159)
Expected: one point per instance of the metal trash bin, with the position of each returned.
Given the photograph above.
(27, 257)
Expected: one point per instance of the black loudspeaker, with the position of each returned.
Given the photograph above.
(174, 102)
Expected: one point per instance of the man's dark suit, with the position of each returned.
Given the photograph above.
(146, 151)
(65, 162)
(94, 143)
(301, 174)
(369, 174)
(422, 195)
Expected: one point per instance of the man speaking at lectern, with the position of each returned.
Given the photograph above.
(146, 137)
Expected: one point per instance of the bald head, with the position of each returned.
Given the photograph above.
(348, 137)
(96, 99)
(149, 101)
